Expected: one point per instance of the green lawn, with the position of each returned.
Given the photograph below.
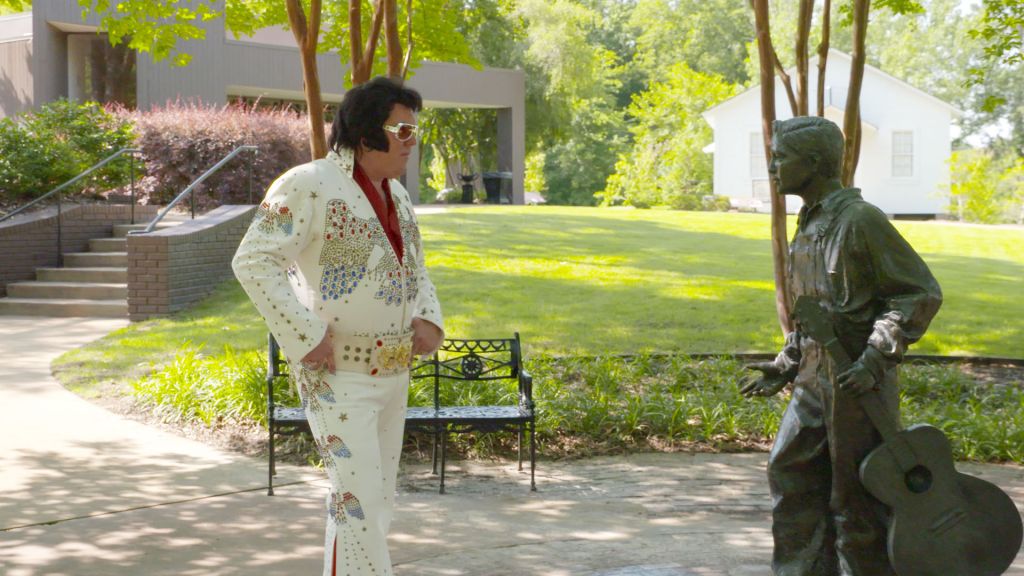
(588, 281)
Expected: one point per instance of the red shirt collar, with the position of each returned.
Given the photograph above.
(384, 208)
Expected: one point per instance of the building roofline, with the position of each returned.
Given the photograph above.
(833, 52)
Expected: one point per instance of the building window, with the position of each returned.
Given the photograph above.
(758, 166)
(902, 154)
(759, 186)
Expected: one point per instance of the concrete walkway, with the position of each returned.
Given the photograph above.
(85, 492)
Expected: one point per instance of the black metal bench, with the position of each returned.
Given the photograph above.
(458, 362)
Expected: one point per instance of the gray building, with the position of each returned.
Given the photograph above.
(51, 53)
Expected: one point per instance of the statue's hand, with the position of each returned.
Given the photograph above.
(769, 383)
(857, 379)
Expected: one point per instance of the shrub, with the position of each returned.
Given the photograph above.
(616, 403)
(228, 387)
(40, 150)
(181, 141)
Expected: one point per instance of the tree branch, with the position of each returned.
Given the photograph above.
(297, 20)
(355, 36)
(787, 83)
(371, 43)
(826, 32)
(313, 31)
(408, 41)
(803, 33)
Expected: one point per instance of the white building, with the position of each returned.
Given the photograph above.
(905, 141)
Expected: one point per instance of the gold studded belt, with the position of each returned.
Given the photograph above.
(381, 356)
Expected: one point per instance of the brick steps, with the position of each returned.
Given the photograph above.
(94, 278)
(106, 275)
(161, 274)
(71, 290)
(108, 245)
(63, 307)
(96, 260)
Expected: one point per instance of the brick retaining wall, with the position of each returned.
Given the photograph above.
(171, 268)
(30, 243)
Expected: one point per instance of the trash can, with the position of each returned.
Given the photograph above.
(498, 186)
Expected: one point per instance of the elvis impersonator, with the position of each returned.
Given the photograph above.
(333, 262)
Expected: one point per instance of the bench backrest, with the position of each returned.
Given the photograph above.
(462, 360)
(456, 360)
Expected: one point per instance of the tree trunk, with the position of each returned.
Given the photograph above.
(826, 32)
(851, 119)
(306, 36)
(362, 60)
(766, 54)
(803, 33)
(391, 39)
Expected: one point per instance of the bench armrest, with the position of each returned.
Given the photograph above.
(525, 388)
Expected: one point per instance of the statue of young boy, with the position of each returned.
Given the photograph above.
(882, 296)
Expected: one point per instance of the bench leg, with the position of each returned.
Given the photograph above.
(533, 455)
(433, 452)
(271, 470)
(519, 446)
(444, 453)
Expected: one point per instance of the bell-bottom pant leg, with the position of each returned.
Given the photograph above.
(357, 421)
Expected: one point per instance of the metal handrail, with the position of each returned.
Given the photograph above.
(61, 187)
(88, 171)
(188, 190)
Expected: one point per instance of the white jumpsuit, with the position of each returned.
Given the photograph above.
(316, 258)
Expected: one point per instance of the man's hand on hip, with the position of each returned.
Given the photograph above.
(321, 357)
(426, 337)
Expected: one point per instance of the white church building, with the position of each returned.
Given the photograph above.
(905, 144)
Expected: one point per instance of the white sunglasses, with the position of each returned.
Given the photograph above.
(402, 131)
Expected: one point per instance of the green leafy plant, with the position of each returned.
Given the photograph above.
(43, 149)
(194, 388)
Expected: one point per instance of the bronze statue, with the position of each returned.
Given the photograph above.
(881, 297)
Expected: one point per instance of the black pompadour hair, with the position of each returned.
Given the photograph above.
(363, 111)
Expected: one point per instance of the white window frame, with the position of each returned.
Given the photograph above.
(903, 151)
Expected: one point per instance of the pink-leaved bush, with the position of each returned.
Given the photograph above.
(180, 141)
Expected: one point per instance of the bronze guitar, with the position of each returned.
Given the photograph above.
(944, 523)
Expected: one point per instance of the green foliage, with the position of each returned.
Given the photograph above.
(1000, 32)
(577, 168)
(667, 164)
(14, 6)
(984, 421)
(708, 35)
(161, 27)
(41, 150)
(985, 189)
(153, 26)
(195, 388)
(534, 180)
(612, 402)
(462, 137)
